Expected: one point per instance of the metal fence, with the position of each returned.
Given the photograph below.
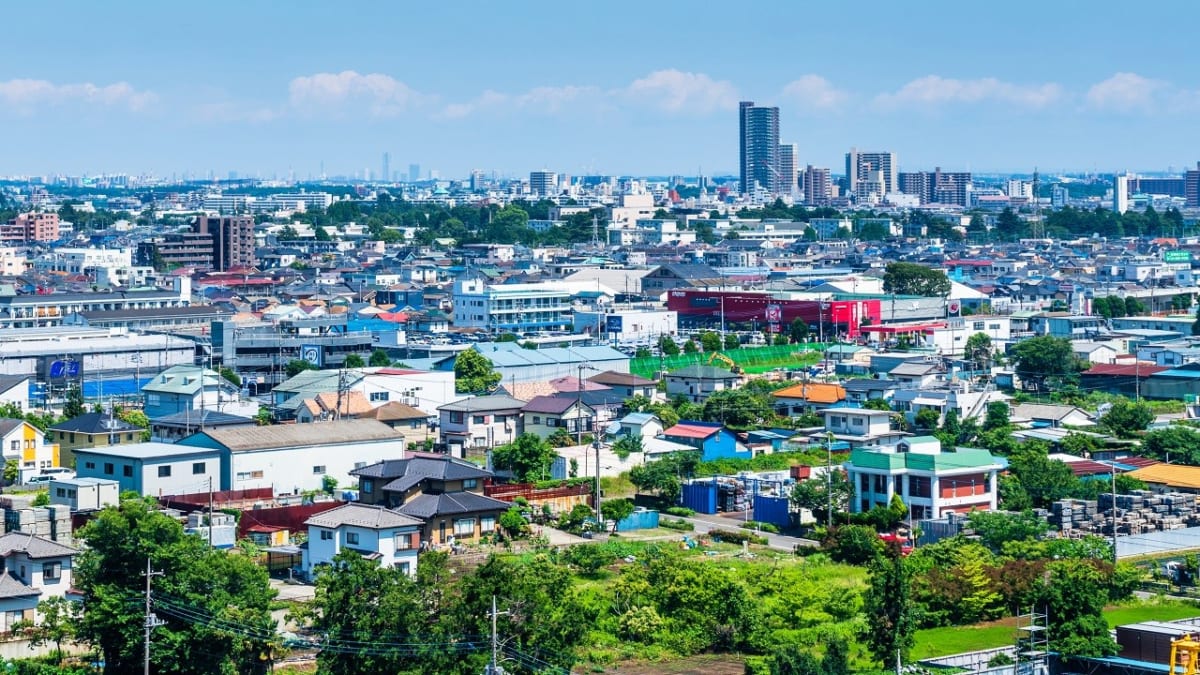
(750, 359)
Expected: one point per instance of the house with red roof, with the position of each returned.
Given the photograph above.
(713, 440)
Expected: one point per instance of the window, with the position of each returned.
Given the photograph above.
(16, 446)
(537, 419)
(404, 541)
(404, 568)
(319, 469)
(379, 396)
(108, 468)
(464, 527)
(249, 475)
(127, 471)
(51, 571)
(456, 418)
(197, 468)
(326, 535)
(978, 325)
(60, 492)
(993, 326)
(479, 419)
(163, 471)
(487, 524)
(359, 465)
(880, 484)
(367, 486)
(470, 483)
(351, 537)
(89, 465)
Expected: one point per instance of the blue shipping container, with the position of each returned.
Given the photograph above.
(773, 510)
(700, 497)
(641, 519)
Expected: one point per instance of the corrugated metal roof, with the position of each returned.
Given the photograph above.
(245, 439)
(1171, 475)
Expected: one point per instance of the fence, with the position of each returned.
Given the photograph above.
(220, 498)
(509, 491)
(750, 359)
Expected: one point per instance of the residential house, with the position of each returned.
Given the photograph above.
(153, 468)
(295, 458)
(546, 415)
(180, 425)
(626, 384)
(377, 533)
(857, 428)
(90, 430)
(1094, 352)
(807, 397)
(444, 492)
(606, 404)
(713, 440)
(479, 423)
(330, 405)
(931, 482)
(36, 569)
(918, 375)
(643, 424)
(669, 277)
(861, 390)
(1050, 415)
(27, 445)
(14, 389)
(193, 388)
(967, 403)
(696, 383)
(416, 425)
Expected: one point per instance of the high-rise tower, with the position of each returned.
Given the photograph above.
(759, 147)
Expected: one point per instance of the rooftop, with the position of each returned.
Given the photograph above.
(362, 515)
(279, 436)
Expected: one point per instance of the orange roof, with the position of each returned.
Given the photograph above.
(813, 392)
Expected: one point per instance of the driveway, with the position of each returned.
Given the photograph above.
(782, 542)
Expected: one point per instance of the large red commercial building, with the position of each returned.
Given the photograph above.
(706, 308)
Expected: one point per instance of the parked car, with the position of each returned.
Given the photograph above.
(54, 473)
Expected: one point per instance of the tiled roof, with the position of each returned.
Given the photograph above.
(11, 587)
(243, 439)
(393, 411)
(33, 546)
(94, 423)
(614, 378)
(1171, 475)
(361, 515)
(555, 405)
(452, 503)
(813, 392)
(484, 404)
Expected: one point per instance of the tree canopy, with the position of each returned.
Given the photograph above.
(473, 373)
(528, 457)
(902, 278)
(1045, 361)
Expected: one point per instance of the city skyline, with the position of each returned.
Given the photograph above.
(655, 93)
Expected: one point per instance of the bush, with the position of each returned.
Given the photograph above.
(735, 537)
(853, 544)
(673, 524)
(681, 511)
(764, 527)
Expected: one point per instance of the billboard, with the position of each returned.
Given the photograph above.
(1177, 256)
(63, 369)
(613, 323)
(313, 354)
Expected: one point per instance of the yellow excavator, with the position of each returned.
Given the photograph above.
(733, 367)
(1185, 655)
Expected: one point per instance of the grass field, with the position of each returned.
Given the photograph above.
(957, 639)
(750, 359)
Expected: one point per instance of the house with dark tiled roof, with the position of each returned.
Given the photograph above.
(375, 532)
(90, 430)
(545, 415)
(626, 384)
(696, 382)
(444, 492)
(35, 569)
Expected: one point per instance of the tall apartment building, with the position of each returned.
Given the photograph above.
(1191, 187)
(1120, 193)
(758, 147)
(30, 226)
(872, 167)
(1172, 187)
(543, 183)
(233, 240)
(789, 168)
(937, 186)
(817, 185)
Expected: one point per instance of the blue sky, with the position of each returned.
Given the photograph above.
(581, 87)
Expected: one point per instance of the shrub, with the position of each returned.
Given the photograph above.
(681, 511)
(735, 537)
(764, 527)
(673, 524)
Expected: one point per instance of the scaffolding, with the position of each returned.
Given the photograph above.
(1032, 644)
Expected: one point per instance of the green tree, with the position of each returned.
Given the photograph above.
(513, 522)
(59, 619)
(627, 445)
(1045, 361)
(738, 409)
(901, 278)
(927, 419)
(664, 476)
(230, 376)
(12, 471)
(296, 366)
(798, 330)
(616, 510)
(473, 373)
(1045, 480)
(877, 404)
(196, 581)
(1126, 419)
(287, 233)
(853, 544)
(353, 361)
(813, 494)
(996, 527)
(1177, 444)
(690, 347)
(888, 607)
(731, 341)
(979, 350)
(379, 359)
(74, 406)
(642, 353)
(528, 457)
(667, 346)
(997, 416)
(1076, 592)
(320, 234)
(710, 341)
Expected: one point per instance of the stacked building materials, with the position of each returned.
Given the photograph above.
(51, 522)
(1136, 513)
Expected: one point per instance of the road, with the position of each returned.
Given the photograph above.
(705, 522)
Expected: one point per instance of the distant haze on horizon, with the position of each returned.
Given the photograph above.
(268, 89)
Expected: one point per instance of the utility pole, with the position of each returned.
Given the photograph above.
(829, 479)
(152, 621)
(1114, 512)
(494, 666)
(210, 512)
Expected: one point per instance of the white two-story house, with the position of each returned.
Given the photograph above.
(482, 423)
(377, 533)
(35, 569)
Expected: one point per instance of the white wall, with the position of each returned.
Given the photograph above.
(290, 470)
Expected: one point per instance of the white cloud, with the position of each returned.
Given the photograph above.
(1124, 92)
(815, 91)
(677, 91)
(933, 90)
(25, 94)
(539, 99)
(383, 94)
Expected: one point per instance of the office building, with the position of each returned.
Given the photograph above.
(937, 186)
(789, 169)
(1170, 187)
(1191, 187)
(1120, 202)
(543, 183)
(1059, 196)
(31, 226)
(878, 169)
(232, 240)
(414, 173)
(759, 147)
(817, 185)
